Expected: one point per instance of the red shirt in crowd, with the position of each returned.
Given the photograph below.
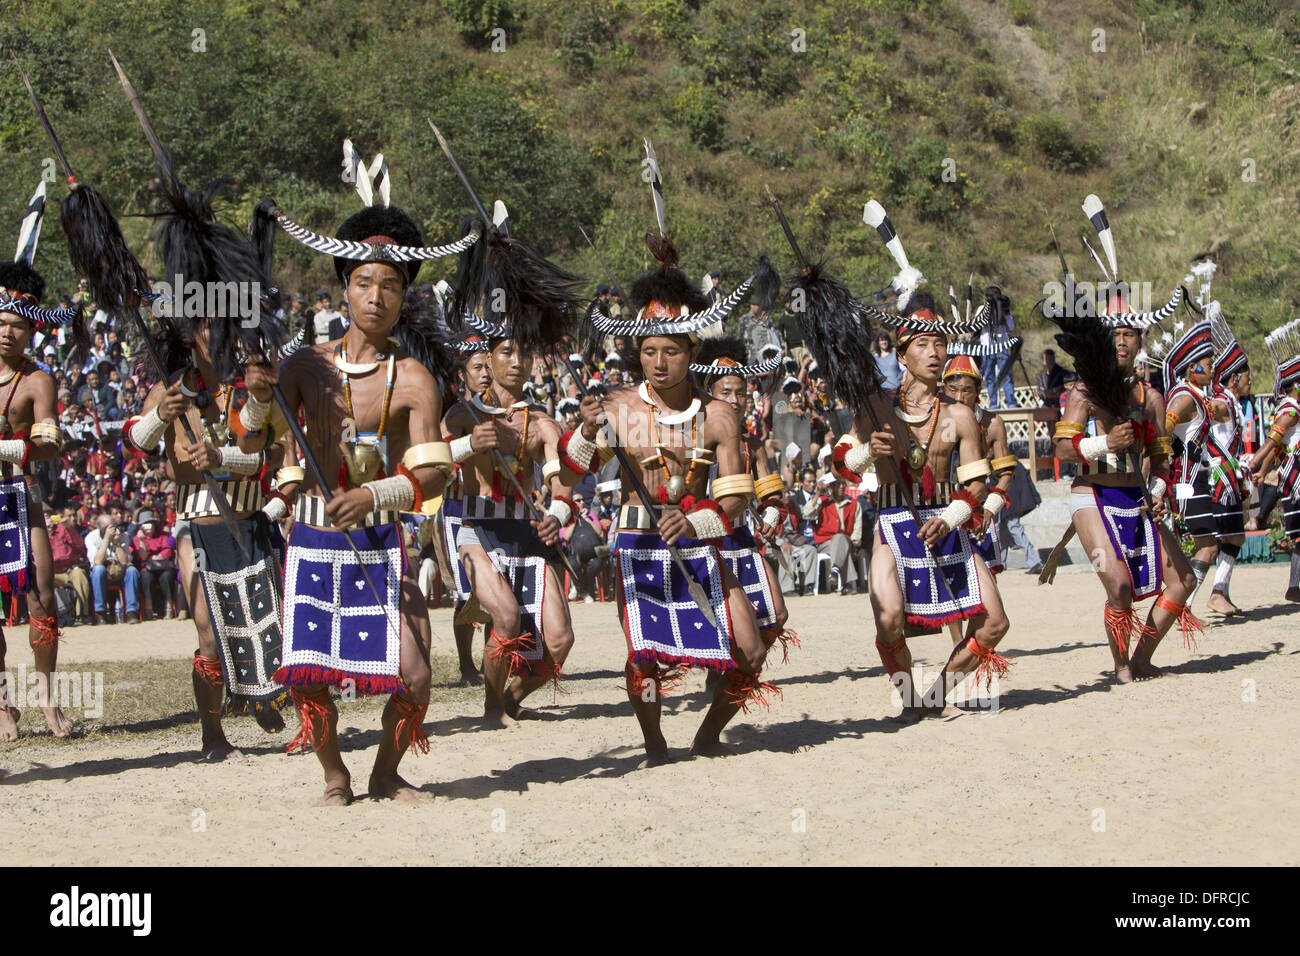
(68, 547)
(836, 517)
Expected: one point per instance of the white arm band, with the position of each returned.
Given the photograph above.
(13, 450)
(707, 523)
(1092, 448)
(254, 414)
(240, 462)
(956, 514)
(1158, 487)
(147, 431)
(580, 449)
(550, 470)
(560, 511)
(275, 509)
(994, 503)
(771, 516)
(859, 459)
(392, 494)
(462, 449)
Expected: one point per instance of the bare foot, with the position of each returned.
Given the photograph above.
(269, 719)
(339, 795)
(1147, 671)
(393, 787)
(9, 723)
(710, 748)
(497, 720)
(951, 711)
(1123, 675)
(59, 725)
(215, 751)
(1292, 594)
(909, 716)
(1219, 602)
(470, 677)
(656, 757)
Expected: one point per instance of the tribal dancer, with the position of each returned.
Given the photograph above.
(674, 434)
(226, 546)
(1282, 444)
(926, 438)
(29, 432)
(723, 376)
(961, 381)
(354, 613)
(503, 548)
(1225, 448)
(1191, 412)
(475, 377)
(1111, 421)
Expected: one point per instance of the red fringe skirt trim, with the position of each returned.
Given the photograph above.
(314, 674)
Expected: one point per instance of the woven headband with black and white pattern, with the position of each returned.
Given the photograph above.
(35, 314)
(1143, 320)
(640, 328)
(978, 350)
(744, 371)
(927, 326)
(372, 251)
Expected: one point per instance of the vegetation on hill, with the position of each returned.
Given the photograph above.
(974, 122)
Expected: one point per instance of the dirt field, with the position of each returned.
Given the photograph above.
(1197, 768)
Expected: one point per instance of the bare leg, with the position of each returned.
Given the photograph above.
(750, 652)
(463, 632)
(207, 698)
(1114, 578)
(986, 631)
(888, 609)
(644, 691)
(1180, 585)
(41, 604)
(320, 731)
(404, 713)
(558, 630)
(494, 596)
(8, 697)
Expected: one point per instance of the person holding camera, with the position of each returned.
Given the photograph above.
(110, 564)
(155, 552)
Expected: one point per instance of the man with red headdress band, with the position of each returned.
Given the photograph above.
(1108, 498)
(928, 437)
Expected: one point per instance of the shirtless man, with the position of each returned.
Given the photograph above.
(475, 375)
(29, 431)
(723, 376)
(927, 435)
(1132, 550)
(673, 434)
(961, 382)
(237, 473)
(1229, 477)
(503, 548)
(386, 407)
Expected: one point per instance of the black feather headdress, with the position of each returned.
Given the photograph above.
(766, 286)
(509, 283)
(836, 331)
(1092, 347)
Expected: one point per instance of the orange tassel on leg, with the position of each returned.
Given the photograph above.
(412, 716)
(313, 709)
(1120, 625)
(512, 649)
(746, 689)
(991, 662)
(43, 631)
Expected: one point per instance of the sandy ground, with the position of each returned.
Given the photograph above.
(1197, 768)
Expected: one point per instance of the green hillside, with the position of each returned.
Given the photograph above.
(1185, 124)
